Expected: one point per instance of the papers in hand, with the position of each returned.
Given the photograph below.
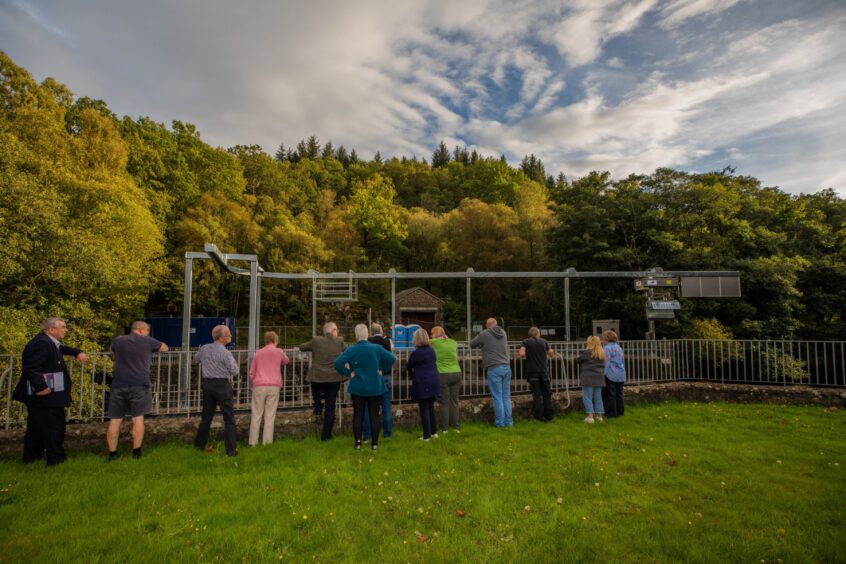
(54, 380)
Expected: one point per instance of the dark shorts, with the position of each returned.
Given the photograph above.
(134, 400)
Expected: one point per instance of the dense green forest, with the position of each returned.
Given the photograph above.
(96, 212)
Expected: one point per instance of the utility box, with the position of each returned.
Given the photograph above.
(602, 325)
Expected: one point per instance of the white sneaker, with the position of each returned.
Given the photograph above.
(425, 440)
(435, 436)
(588, 419)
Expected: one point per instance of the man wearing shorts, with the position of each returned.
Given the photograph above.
(131, 385)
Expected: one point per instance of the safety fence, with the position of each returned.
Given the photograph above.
(175, 383)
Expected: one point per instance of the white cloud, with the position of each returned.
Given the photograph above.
(675, 12)
(501, 76)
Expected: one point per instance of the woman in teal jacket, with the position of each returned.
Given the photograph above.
(364, 363)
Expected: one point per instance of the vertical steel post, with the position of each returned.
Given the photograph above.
(185, 376)
(313, 302)
(567, 308)
(251, 345)
(393, 273)
(469, 313)
(258, 312)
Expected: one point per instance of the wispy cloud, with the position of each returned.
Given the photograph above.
(611, 84)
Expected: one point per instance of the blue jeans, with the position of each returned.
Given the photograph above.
(499, 382)
(592, 398)
(387, 416)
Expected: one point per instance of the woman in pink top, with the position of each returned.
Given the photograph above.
(266, 378)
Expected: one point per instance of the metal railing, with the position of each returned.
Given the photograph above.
(815, 363)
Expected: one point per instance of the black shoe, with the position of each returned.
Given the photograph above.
(233, 453)
(358, 445)
(136, 453)
(113, 456)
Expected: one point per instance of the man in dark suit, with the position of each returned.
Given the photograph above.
(45, 389)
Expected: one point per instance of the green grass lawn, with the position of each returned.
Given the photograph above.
(668, 482)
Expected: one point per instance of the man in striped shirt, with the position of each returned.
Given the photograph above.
(218, 367)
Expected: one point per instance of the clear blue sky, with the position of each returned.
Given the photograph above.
(585, 85)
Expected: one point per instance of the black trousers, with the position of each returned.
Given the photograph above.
(317, 397)
(374, 407)
(329, 391)
(427, 417)
(612, 398)
(541, 396)
(217, 392)
(45, 430)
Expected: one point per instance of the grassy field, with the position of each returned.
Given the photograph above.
(668, 482)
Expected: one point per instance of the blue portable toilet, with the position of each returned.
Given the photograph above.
(410, 330)
(398, 336)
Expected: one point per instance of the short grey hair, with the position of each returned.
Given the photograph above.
(328, 327)
(534, 332)
(376, 328)
(421, 338)
(51, 322)
(139, 325)
(361, 332)
(218, 331)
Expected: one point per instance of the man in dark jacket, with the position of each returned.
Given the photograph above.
(496, 361)
(325, 380)
(377, 338)
(45, 389)
(536, 351)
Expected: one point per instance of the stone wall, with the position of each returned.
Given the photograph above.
(91, 436)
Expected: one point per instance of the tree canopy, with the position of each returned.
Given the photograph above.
(97, 210)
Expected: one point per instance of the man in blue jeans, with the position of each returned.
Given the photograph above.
(495, 360)
(376, 337)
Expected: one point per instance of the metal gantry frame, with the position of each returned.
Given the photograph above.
(256, 274)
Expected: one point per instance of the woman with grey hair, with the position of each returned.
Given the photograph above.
(425, 382)
(364, 363)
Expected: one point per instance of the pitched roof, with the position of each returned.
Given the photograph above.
(417, 289)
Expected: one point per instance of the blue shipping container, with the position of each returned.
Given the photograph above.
(169, 330)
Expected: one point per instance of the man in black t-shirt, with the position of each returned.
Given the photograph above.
(130, 391)
(535, 351)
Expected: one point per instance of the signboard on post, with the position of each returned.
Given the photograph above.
(654, 283)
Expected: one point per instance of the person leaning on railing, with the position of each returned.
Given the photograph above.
(425, 382)
(496, 361)
(364, 363)
(615, 376)
(377, 338)
(592, 378)
(219, 366)
(45, 389)
(266, 379)
(536, 350)
(131, 390)
(324, 379)
(446, 351)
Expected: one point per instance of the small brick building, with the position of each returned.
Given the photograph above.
(416, 305)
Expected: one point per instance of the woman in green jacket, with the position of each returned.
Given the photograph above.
(446, 350)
